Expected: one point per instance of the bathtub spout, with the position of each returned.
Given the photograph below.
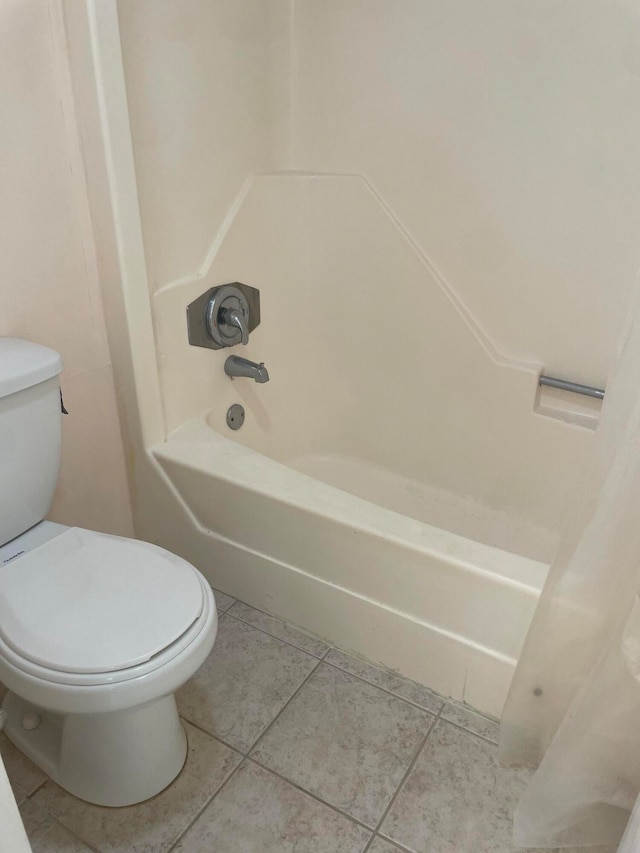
(237, 366)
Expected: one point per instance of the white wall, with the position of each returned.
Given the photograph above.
(207, 91)
(501, 135)
(504, 137)
(49, 288)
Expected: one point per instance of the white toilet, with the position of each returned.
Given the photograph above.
(97, 632)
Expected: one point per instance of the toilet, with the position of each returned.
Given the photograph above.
(97, 632)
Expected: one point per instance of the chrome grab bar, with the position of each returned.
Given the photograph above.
(574, 387)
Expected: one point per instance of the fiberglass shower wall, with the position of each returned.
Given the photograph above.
(476, 221)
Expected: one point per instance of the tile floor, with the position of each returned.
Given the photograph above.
(298, 748)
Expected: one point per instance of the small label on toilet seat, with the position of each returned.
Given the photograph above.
(13, 556)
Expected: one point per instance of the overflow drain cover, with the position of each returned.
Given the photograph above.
(235, 416)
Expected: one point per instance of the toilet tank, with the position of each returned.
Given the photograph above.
(30, 434)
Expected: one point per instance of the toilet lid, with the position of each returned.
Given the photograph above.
(90, 602)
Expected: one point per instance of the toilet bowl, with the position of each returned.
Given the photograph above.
(97, 632)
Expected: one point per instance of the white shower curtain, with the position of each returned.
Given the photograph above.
(574, 705)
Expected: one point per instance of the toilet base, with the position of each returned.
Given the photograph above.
(112, 759)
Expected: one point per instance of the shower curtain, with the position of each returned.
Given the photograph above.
(573, 709)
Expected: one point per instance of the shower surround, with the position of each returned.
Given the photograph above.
(408, 186)
(391, 486)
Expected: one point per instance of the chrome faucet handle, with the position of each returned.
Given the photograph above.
(233, 317)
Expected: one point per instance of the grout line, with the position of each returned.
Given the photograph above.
(389, 692)
(49, 815)
(275, 636)
(469, 731)
(211, 735)
(444, 699)
(84, 841)
(396, 844)
(412, 764)
(38, 788)
(458, 703)
(311, 794)
(222, 610)
(206, 805)
(370, 842)
(284, 707)
(284, 622)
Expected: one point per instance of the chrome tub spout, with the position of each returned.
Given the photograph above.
(237, 366)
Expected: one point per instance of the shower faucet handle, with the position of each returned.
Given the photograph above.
(227, 316)
(238, 319)
(223, 316)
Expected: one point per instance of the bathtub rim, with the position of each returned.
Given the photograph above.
(197, 445)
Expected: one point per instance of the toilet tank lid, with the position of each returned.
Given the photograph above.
(23, 364)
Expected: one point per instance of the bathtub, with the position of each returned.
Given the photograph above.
(443, 609)
(396, 488)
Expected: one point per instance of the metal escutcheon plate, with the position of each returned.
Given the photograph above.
(235, 416)
(202, 314)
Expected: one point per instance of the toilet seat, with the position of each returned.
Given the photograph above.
(86, 608)
(74, 605)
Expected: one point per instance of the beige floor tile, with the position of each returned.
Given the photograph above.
(33, 815)
(375, 675)
(243, 684)
(380, 845)
(50, 837)
(19, 795)
(457, 798)
(600, 849)
(279, 629)
(223, 601)
(420, 695)
(346, 741)
(257, 812)
(472, 721)
(153, 826)
(387, 680)
(22, 772)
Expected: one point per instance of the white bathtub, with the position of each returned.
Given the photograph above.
(396, 487)
(442, 609)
